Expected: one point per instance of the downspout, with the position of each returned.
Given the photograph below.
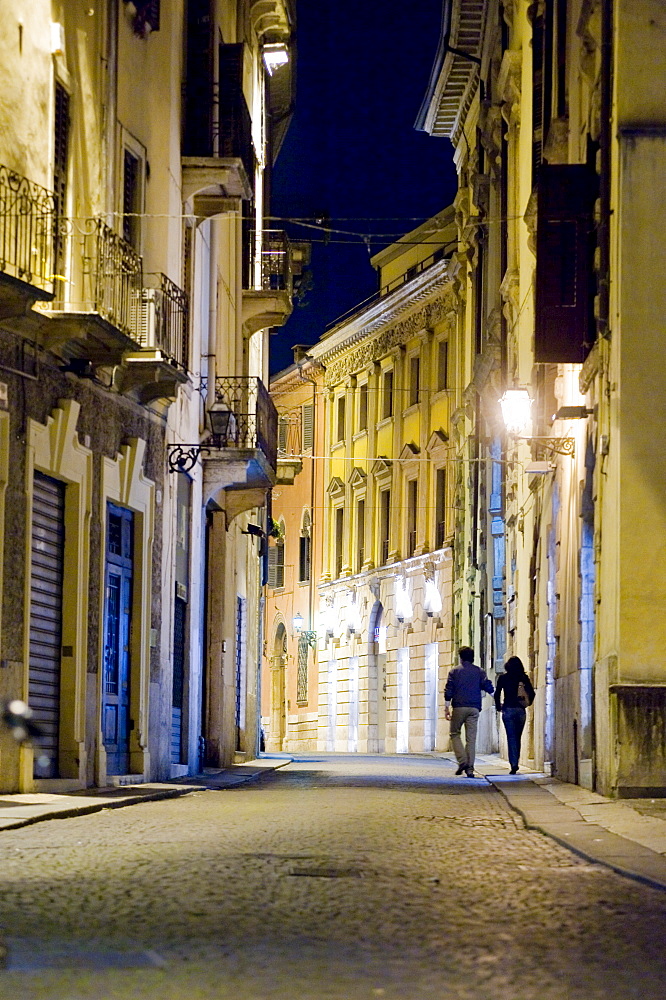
(110, 111)
(605, 140)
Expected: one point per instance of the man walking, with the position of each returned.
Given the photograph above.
(464, 686)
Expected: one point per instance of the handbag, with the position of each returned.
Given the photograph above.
(523, 695)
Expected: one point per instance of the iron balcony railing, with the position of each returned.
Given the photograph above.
(270, 262)
(252, 420)
(113, 279)
(165, 319)
(27, 229)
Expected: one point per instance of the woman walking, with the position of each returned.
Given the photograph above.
(512, 703)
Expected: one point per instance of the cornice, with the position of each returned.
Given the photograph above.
(388, 323)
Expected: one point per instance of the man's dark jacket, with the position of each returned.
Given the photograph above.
(465, 684)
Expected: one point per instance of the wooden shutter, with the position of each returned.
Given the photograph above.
(308, 427)
(272, 566)
(564, 322)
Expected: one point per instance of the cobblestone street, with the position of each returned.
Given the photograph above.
(335, 878)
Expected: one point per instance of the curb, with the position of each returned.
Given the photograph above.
(204, 783)
(568, 828)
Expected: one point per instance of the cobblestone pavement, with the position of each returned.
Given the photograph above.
(335, 878)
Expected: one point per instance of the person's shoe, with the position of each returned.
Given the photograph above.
(514, 770)
(461, 768)
(470, 774)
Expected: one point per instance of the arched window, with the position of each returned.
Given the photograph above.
(305, 543)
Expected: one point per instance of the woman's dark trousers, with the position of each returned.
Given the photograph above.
(514, 723)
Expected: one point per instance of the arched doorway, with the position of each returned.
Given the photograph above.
(278, 693)
(376, 680)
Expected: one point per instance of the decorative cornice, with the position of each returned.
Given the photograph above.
(341, 360)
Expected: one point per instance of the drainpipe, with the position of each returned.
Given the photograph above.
(110, 110)
(605, 140)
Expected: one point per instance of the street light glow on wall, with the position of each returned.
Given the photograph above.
(516, 411)
(354, 617)
(432, 600)
(327, 618)
(403, 602)
(275, 54)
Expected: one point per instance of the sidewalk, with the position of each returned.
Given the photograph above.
(628, 835)
(24, 809)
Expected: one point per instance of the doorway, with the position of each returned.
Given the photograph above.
(117, 636)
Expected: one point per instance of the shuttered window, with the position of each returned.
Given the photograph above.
(46, 578)
(60, 164)
(308, 426)
(564, 323)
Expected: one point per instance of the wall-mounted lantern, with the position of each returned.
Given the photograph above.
(354, 616)
(403, 602)
(275, 54)
(432, 599)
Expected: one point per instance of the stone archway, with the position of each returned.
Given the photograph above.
(278, 727)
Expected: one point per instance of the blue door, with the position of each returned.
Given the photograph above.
(117, 639)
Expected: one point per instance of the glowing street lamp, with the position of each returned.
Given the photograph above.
(275, 54)
(516, 411)
(432, 601)
(403, 603)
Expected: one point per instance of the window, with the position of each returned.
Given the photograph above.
(442, 364)
(363, 407)
(339, 539)
(387, 394)
(302, 670)
(440, 507)
(60, 163)
(131, 198)
(283, 427)
(412, 506)
(360, 535)
(304, 549)
(307, 426)
(414, 380)
(384, 525)
(340, 426)
(276, 561)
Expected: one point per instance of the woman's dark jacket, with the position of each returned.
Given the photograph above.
(507, 684)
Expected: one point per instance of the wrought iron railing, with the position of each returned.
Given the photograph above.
(252, 421)
(27, 227)
(113, 279)
(270, 264)
(164, 318)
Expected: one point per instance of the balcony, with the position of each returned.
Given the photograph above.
(267, 301)
(101, 320)
(220, 162)
(27, 228)
(240, 456)
(156, 371)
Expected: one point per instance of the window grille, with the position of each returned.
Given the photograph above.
(302, 673)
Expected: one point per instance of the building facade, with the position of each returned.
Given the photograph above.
(556, 113)
(386, 407)
(137, 440)
(290, 680)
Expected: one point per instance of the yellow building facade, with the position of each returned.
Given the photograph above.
(384, 622)
(290, 681)
(556, 113)
(137, 286)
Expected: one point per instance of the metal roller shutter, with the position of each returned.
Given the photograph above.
(46, 575)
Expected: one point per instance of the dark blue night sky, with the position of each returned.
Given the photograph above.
(352, 153)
